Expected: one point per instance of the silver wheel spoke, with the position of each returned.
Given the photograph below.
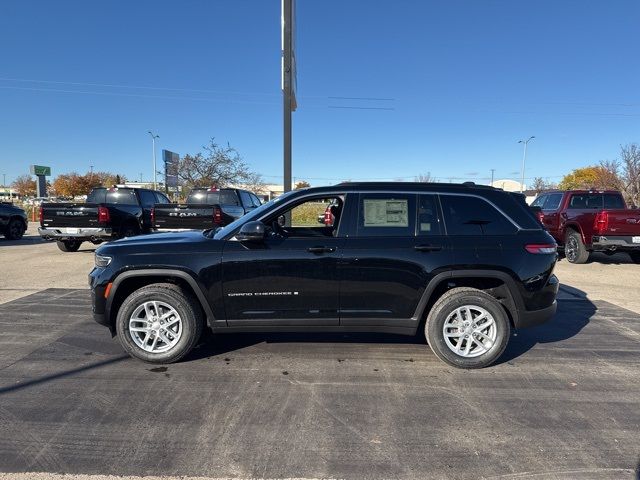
(148, 330)
(470, 331)
(479, 328)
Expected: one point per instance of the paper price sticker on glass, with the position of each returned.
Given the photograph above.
(386, 213)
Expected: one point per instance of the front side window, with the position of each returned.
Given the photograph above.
(148, 199)
(539, 202)
(552, 201)
(468, 215)
(312, 218)
(386, 215)
(246, 199)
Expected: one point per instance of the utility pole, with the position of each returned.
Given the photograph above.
(153, 140)
(524, 158)
(287, 87)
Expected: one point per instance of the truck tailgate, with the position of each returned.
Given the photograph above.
(175, 216)
(73, 215)
(623, 222)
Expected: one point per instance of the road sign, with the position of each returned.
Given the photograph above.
(171, 161)
(40, 170)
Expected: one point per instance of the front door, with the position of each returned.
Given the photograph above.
(291, 277)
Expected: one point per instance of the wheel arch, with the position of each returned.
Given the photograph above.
(498, 284)
(127, 282)
(575, 227)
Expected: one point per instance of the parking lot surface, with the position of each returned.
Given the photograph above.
(564, 401)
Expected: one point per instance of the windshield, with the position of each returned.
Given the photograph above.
(250, 216)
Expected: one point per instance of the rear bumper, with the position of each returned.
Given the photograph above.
(63, 233)
(531, 318)
(621, 242)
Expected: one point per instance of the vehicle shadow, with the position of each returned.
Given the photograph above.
(619, 258)
(574, 313)
(26, 240)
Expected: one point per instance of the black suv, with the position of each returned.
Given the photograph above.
(465, 263)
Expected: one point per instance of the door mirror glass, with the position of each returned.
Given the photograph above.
(251, 232)
(282, 220)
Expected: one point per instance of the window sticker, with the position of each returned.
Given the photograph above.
(386, 213)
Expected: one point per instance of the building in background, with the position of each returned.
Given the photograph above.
(509, 185)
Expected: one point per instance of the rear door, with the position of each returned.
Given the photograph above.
(551, 212)
(395, 247)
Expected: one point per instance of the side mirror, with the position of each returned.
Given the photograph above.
(251, 232)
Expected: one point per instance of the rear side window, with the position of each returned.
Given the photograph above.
(611, 200)
(428, 217)
(246, 199)
(386, 215)
(160, 198)
(466, 215)
(228, 198)
(586, 201)
(122, 196)
(552, 202)
(256, 200)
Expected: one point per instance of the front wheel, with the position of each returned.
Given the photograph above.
(69, 245)
(574, 249)
(635, 257)
(467, 328)
(159, 323)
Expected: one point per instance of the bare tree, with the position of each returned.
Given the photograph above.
(424, 178)
(217, 165)
(256, 184)
(630, 172)
(540, 184)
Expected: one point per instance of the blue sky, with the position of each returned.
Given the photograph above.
(454, 85)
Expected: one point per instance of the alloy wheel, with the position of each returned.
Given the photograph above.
(155, 326)
(470, 331)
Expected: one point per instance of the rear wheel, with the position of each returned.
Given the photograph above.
(467, 328)
(574, 249)
(15, 230)
(635, 257)
(159, 323)
(69, 245)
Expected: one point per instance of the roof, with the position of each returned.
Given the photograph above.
(411, 185)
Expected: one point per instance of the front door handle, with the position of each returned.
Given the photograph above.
(321, 249)
(428, 248)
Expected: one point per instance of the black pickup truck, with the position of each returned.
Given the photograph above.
(205, 208)
(108, 214)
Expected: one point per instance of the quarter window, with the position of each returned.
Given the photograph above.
(586, 201)
(428, 218)
(467, 215)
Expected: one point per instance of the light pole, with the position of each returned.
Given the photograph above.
(524, 158)
(153, 140)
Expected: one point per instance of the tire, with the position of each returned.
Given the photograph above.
(483, 351)
(635, 257)
(129, 230)
(574, 249)
(69, 245)
(15, 229)
(181, 336)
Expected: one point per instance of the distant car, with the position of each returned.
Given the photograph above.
(13, 221)
(585, 221)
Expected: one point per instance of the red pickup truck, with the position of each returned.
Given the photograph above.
(585, 221)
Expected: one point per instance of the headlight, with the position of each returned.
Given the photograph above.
(102, 260)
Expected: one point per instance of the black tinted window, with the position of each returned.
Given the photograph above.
(539, 202)
(614, 201)
(228, 198)
(256, 200)
(246, 199)
(586, 200)
(147, 198)
(473, 216)
(428, 218)
(97, 195)
(387, 215)
(122, 196)
(160, 198)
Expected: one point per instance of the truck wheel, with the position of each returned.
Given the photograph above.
(635, 257)
(159, 323)
(15, 230)
(467, 328)
(574, 249)
(69, 245)
(129, 231)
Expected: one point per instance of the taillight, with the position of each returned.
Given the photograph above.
(153, 216)
(217, 216)
(541, 248)
(103, 215)
(41, 215)
(601, 223)
(540, 215)
(327, 217)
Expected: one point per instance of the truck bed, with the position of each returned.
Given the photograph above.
(70, 215)
(193, 216)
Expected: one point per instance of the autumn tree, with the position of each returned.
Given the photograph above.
(73, 184)
(590, 177)
(25, 186)
(301, 184)
(215, 165)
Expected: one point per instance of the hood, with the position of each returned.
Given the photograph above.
(156, 241)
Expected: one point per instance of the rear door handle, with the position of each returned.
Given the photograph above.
(428, 248)
(321, 249)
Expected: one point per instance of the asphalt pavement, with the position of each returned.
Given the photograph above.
(563, 402)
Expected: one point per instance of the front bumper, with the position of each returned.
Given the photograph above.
(622, 242)
(64, 233)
